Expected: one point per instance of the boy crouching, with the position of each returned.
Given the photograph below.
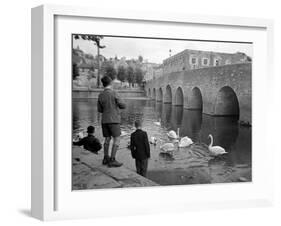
(90, 142)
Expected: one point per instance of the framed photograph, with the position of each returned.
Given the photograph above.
(136, 112)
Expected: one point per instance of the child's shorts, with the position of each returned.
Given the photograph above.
(111, 130)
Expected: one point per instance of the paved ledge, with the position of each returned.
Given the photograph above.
(89, 173)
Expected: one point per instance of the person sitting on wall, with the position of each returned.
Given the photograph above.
(90, 142)
(109, 104)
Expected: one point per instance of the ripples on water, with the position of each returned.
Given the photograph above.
(225, 130)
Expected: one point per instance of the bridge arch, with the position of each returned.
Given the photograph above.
(227, 102)
(168, 95)
(159, 95)
(154, 94)
(179, 99)
(195, 100)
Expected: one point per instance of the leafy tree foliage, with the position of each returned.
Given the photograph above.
(75, 71)
(94, 38)
(140, 58)
(122, 74)
(131, 75)
(109, 70)
(139, 76)
(249, 59)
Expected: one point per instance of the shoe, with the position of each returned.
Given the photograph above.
(114, 163)
(105, 160)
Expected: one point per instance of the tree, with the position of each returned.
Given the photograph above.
(109, 70)
(139, 76)
(75, 71)
(121, 74)
(249, 59)
(140, 58)
(131, 75)
(96, 40)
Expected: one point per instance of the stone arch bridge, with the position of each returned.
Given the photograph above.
(219, 91)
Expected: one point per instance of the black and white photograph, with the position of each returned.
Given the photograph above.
(160, 111)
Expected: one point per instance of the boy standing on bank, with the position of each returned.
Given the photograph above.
(140, 149)
(109, 104)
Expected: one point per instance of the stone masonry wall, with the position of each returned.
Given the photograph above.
(209, 81)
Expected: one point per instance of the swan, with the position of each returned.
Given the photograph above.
(80, 135)
(158, 123)
(172, 134)
(153, 140)
(185, 142)
(178, 132)
(123, 133)
(169, 147)
(215, 150)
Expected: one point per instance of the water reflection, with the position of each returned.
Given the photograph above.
(224, 130)
(192, 124)
(177, 115)
(166, 115)
(84, 112)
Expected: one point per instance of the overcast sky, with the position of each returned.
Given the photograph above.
(156, 50)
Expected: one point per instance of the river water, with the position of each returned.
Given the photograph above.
(185, 166)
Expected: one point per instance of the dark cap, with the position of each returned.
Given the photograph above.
(90, 129)
(106, 80)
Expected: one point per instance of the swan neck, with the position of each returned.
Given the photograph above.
(211, 144)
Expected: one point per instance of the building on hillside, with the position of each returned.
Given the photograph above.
(89, 59)
(120, 63)
(101, 57)
(78, 52)
(85, 68)
(158, 71)
(149, 70)
(195, 59)
(77, 59)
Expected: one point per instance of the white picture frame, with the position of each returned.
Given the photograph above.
(47, 153)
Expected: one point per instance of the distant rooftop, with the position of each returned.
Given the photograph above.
(202, 51)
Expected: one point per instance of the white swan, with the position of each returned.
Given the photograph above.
(172, 134)
(80, 135)
(158, 123)
(185, 142)
(169, 147)
(153, 140)
(123, 133)
(215, 150)
(182, 142)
